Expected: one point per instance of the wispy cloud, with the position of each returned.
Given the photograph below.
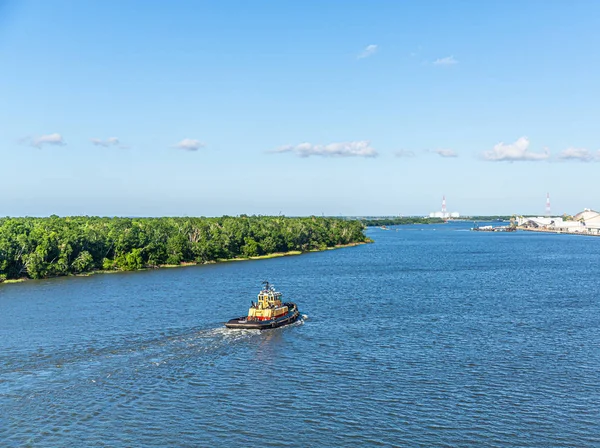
(412, 54)
(446, 153)
(513, 152)
(445, 62)
(581, 154)
(404, 153)
(111, 141)
(341, 149)
(49, 139)
(189, 144)
(370, 50)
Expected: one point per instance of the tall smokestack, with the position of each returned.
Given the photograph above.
(444, 204)
(547, 204)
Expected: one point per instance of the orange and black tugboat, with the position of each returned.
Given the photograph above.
(268, 312)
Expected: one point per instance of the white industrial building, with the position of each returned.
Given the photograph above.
(586, 222)
(444, 214)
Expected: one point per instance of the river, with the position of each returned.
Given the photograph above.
(431, 336)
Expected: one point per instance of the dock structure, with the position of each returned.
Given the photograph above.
(494, 229)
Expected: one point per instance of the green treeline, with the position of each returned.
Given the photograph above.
(369, 222)
(54, 246)
(487, 218)
(400, 221)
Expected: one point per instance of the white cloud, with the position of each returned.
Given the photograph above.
(446, 153)
(342, 149)
(581, 154)
(50, 139)
(404, 153)
(111, 141)
(189, 144)
(368, 51)
(447, 61)
(516, 151)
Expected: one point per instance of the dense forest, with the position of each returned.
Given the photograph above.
(400, 221)
(54, 246)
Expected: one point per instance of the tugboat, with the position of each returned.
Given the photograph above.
(268, 312)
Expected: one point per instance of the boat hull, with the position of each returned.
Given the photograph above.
(242, 322)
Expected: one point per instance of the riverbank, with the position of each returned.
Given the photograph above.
(180, 265)
(289, 253)
(557, 231)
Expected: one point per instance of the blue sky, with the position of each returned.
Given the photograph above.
(147, 108)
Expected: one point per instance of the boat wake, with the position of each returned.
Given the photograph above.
(233, 334)
(99, 363)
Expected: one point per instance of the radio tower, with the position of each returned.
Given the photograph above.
(444, 206)
(547, 204)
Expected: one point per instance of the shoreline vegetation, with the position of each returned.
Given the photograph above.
(377, 222)
(35, 248)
